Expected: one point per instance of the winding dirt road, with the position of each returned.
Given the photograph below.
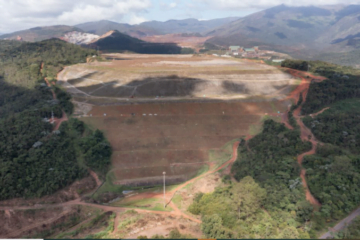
(305, 133)
(342, 224)
(176, 211)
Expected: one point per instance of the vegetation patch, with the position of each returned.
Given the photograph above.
(155, 204)
(99, 221)
(35, 158)
(342, 83)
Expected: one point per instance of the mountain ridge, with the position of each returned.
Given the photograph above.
(293, 29)
(40, 33)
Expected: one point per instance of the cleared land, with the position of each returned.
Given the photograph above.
(173, 113)
(173, 77)
(148, 139)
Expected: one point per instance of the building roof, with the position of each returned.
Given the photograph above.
(249, 50)
(278, 60)
(234, 48)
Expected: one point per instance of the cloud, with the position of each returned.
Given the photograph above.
(261, 4)
(134, 19)
(169, 5)
(22, 14)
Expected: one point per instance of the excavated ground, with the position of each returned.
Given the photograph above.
(144, 78)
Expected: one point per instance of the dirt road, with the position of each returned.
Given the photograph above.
(305, 133)
(176, 211)
(342, 224)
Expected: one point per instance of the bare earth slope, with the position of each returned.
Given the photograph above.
(173, 113)
(174, 77)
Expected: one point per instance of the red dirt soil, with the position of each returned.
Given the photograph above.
(145, 146)
(319, 112)
(95, 176)
(305, 133)
(169, 195)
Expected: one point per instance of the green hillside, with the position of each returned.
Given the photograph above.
(40, 33)
(34, 159)
(268, 198)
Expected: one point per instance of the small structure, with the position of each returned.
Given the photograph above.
(233, 49)
(249, 50)
(278, 60)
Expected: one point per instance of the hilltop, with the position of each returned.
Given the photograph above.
(104, 26)
(115, 41)
(300, 31)
(190, 25)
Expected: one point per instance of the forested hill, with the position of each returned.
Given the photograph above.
(40, 33)
(20, 63)
(35, 160)
(268, 198)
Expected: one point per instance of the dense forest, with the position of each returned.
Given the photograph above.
(352, 231)
(268, 201)
(339, 125)
(236, 211)
(334, 172)
(273, 204)
(20, 64)
(343, 83)
(35, 160)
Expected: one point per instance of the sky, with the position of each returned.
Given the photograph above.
(23, 14)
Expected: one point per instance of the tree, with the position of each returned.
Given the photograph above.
(248, 197)
(142, 237)
(289, 233)
(212, 227)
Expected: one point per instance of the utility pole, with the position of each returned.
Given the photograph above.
(164, 190)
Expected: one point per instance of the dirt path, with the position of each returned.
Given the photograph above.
(319, 112)
(176, 211)
(342, 224)
(95, 176)
(285, 120)
(230, 161)
(58, 121)
(305, 133)
(116, 221)
(19, 232)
